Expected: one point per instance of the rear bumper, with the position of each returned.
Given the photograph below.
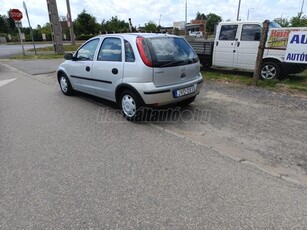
(159, 96)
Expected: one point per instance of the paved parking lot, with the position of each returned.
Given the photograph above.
(74, 162)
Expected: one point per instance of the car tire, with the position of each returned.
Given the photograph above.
(130, 105)
(270, 71)
(65, 85)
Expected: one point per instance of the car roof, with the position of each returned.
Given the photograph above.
(129, 35)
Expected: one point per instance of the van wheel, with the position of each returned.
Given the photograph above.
(65, 85)
(270, 71)
(130, 104)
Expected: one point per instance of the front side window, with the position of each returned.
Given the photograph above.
(87, 51)
(228, 32)
(251, 33)
(110, 50)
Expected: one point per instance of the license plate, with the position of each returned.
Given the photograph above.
(184, 91)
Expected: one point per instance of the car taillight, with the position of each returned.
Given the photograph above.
(144, 51)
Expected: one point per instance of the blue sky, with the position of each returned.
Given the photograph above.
(167, 11)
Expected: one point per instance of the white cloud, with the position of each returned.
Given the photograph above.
(170, 10)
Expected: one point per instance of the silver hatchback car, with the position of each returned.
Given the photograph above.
(133, 70)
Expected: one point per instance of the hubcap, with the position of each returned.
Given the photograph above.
(268, 72)
(128, 106)
(64, 85)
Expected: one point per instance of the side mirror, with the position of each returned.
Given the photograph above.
(69, 56)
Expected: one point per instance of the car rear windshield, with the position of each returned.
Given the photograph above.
(170, 51)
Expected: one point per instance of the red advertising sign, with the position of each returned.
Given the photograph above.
(16, 14)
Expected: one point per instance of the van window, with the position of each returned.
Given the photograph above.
(110, 50)
(170, 51)
(228, 32)
(251, 33)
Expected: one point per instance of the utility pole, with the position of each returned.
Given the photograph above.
(301, 12)
(238, 14)
(186, 16)
(249, 9)
(55, 27)
(70, 24)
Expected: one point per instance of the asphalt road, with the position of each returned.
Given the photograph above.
(7, 51)
(73, 162)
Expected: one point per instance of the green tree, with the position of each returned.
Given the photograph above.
(151, 26)
(283, 22)
(299, 21)
(46, 29)
(212, 21)
(4, 27)
(85, 24)
(114, 24)
(200, 16)
(11, 24)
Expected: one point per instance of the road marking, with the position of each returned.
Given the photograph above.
(4, 82)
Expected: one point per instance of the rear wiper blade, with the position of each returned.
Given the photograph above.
(173, 63)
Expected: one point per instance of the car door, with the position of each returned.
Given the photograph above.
(80, 69)
(223, 54)
(246, 46)
(108, 68)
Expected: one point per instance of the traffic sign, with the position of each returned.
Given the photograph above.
(16, 14)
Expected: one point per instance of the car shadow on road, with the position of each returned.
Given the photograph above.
(109, 111)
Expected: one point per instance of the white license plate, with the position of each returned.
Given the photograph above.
(184, 91)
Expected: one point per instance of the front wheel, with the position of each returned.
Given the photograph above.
(130, 104)
(270, 71)
(65, 85)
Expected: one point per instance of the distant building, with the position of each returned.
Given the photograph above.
(197, 25)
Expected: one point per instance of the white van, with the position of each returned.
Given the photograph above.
(236, 47)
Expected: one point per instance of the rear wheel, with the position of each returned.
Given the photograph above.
(130, 104)
(270, 71)
(65, 85)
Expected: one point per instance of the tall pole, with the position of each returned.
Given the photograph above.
(248, 13)
(71, 29)
(238, 14)
(31, 31)
(186, 16)
(301, 13)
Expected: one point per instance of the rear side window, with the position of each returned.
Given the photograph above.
(251, 33)
(110, 50)
(228, 32)
(129, 55)
(170, 51)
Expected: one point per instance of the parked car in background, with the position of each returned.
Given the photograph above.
(196, 34)
(133, 70)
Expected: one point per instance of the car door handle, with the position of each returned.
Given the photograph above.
(87, 69)
(115, 71)
(238, 44)
(217, 43)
